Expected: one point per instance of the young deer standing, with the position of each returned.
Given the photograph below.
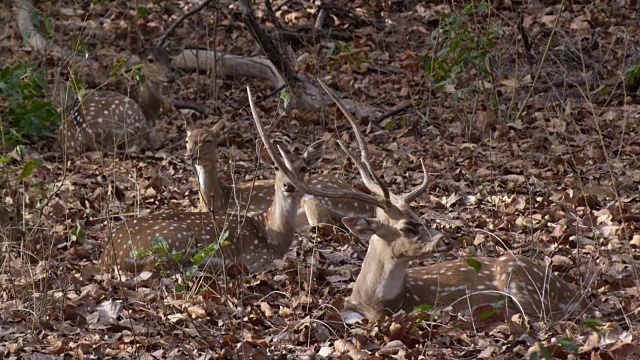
(397, 235)
(254, 241)
(257, 196)
(107, 120)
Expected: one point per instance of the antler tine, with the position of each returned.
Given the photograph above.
(418, 190)
(363, 172)
(370, 179)
(335, 193)
(285, 158)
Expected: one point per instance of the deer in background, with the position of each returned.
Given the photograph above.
(257, 196)
(253, 241)
(107, 120)
(397, 235)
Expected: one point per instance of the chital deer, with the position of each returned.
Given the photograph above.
(257, 196)
(397, 235)
(107, 120)
(254, 241)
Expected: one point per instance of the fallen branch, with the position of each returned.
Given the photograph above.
(37, 42)
(230, 66)
(201, 108)
(395, 111)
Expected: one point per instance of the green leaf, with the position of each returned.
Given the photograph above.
(475, 264)
(29, 167)
(121, 62)
(488, 314)
(140, 253)
(190, 271)
(179, 288)
(48, 24)
(594, 324)
(79, 44)
(568, 344)
(160, 245)
(176, 256)
(198, 258)
(142, 12)
(286, 98)
(422, 308)
(544, 351)
(78, 233)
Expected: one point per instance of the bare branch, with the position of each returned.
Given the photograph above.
(182, 18)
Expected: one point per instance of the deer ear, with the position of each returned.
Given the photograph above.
(360, 226)
(135, 41)
(190, 125)
(314, 153)
(218, 127)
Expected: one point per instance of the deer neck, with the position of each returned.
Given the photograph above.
(280, 221)
(150, 100)
(213, 195)
(379, 289)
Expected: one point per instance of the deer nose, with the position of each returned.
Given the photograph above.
(171, 77)
(288, 187)
(451, 243)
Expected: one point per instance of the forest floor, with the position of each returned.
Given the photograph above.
(526, 118)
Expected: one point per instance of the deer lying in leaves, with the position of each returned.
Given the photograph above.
(397, 235)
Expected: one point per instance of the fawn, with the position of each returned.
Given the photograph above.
(107, 120)
(254, 241)
(257, 196)
(397, 235)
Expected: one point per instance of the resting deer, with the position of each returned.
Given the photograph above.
(397, 235)
(217, 196)
(254, 241)
(107, 120)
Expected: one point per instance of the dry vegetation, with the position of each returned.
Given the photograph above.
(527, 120)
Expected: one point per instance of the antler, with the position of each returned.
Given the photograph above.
(334, 193)
(418, 190)
(368, 176)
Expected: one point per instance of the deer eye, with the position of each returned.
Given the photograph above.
(150, 60)
(276, 168)
(411, 230)
(304, 169)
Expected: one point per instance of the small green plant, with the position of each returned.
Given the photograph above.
(632, 76)
(462, 51)
(31, 116)
(211, 248)
(162, 256)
